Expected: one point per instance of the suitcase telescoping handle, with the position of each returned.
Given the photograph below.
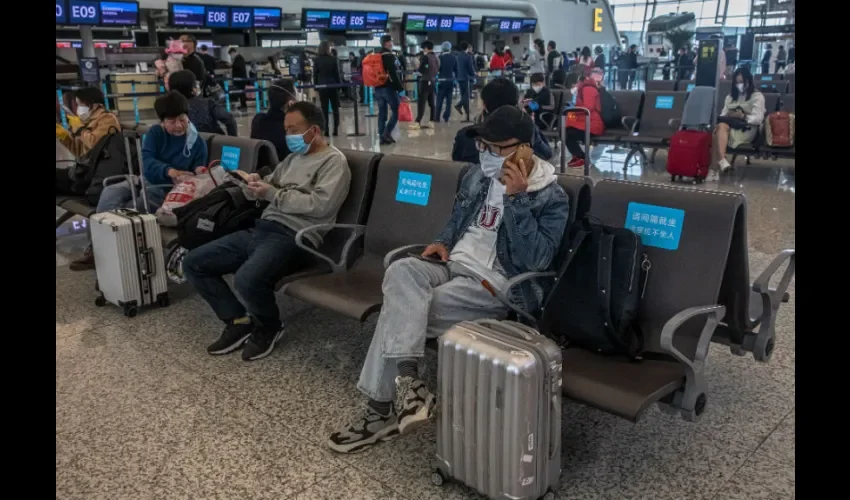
(510, 328)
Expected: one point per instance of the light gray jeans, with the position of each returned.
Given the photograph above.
(421, 300)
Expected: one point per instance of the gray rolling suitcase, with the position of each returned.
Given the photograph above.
(499, 420)
(128, 254)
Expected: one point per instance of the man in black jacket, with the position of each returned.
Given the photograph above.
(386, 96)
(239, 70)
(192, 60)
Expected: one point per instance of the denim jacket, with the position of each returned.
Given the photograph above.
(528, 238)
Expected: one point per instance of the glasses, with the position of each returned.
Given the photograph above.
(494, 150)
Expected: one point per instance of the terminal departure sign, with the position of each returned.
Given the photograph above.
(94, 12)
(223, 16)
(313, 19)
(495, 25)
(435, 22)
(61, 12)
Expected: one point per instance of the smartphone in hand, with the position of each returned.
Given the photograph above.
(434, 259)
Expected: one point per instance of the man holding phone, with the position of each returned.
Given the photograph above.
(508, 218)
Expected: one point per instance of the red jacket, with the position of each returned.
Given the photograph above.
(587, 96)
(497, 62)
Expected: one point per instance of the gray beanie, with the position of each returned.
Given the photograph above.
(447, 46)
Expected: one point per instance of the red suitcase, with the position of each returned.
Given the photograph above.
(689, 155)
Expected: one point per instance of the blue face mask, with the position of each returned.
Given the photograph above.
(297, 144)
(490, 165)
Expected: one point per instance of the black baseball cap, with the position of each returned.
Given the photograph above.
(506, 123)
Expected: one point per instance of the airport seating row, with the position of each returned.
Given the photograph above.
(685, 307)
(649, 120)
(767, 85)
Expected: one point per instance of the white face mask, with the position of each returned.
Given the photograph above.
(740, 87)
(82, 111)
(178, 57)
(537, 88)
(490, 165)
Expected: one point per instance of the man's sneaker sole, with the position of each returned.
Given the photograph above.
(421, 417)
(232, 347)
(387, 434)
(268, 351)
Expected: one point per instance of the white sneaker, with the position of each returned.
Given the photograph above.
(724, 165)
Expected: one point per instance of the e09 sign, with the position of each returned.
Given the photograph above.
(83, 12)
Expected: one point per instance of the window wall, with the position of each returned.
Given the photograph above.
(631, 15)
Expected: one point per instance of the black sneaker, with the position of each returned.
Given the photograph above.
(415, 403)
(232, 338)
(367, 429)
(261, 343)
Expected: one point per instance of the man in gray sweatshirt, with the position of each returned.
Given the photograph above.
(305, 189)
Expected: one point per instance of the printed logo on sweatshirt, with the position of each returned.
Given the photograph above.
(489, 218)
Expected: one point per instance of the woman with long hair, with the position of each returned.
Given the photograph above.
(497, 62)
(326, 72)
(537, 58)
(742, 115)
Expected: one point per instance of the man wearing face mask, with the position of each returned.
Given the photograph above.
(539, 101)
(508, 218)
(305, 189)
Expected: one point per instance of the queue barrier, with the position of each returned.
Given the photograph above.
(678, 320)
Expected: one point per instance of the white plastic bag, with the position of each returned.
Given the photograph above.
(192, 188)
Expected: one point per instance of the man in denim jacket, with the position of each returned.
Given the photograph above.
(508, 219)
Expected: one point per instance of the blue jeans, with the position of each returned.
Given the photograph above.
(118, 195)
(387, 97)
(444, 93)
(259, 257)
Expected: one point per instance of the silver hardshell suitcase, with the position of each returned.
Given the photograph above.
(499, 421)
(128, 254)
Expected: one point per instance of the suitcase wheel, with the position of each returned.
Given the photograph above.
(437, 478)
(163, 300)
(672, 178)
(100, 301)
(130, 311)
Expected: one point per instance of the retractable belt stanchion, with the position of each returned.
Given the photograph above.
(135, 102)
(62, 108)
(257, 94)
(370, 97)
(587, 146)
(227, 95)
(105, 91)
(357, 132)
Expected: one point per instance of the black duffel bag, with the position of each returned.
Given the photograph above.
(222, 211)
(594, 304)
(107, 158)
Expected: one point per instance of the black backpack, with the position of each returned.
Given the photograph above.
(222, 211)
(611, 116)
(594, 303)
(107, 158)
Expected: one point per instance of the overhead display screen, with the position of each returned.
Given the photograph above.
(268, 18)
(83, 12)
(119, 13)
(495, 25)
(191, 15)
(61, 13)
(314, 19)
(223, 16)
(435, 22)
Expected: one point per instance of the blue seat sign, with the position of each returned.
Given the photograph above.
(691, 86)
(230, 157)
(664, 102)
(657, 226)
(767, 77)
(413, 187)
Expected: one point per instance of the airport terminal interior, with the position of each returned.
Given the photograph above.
(143, 411)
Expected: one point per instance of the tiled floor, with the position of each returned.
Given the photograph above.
(142, 412)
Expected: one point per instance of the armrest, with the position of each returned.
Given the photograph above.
(762, 283)
(502, 295)
(115, 179)
(633, 119)
(394, 254)
(264, 171)
(695, 384)
(675, 123)
(357, 231)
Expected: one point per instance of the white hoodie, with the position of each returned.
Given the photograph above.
(476, 249)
